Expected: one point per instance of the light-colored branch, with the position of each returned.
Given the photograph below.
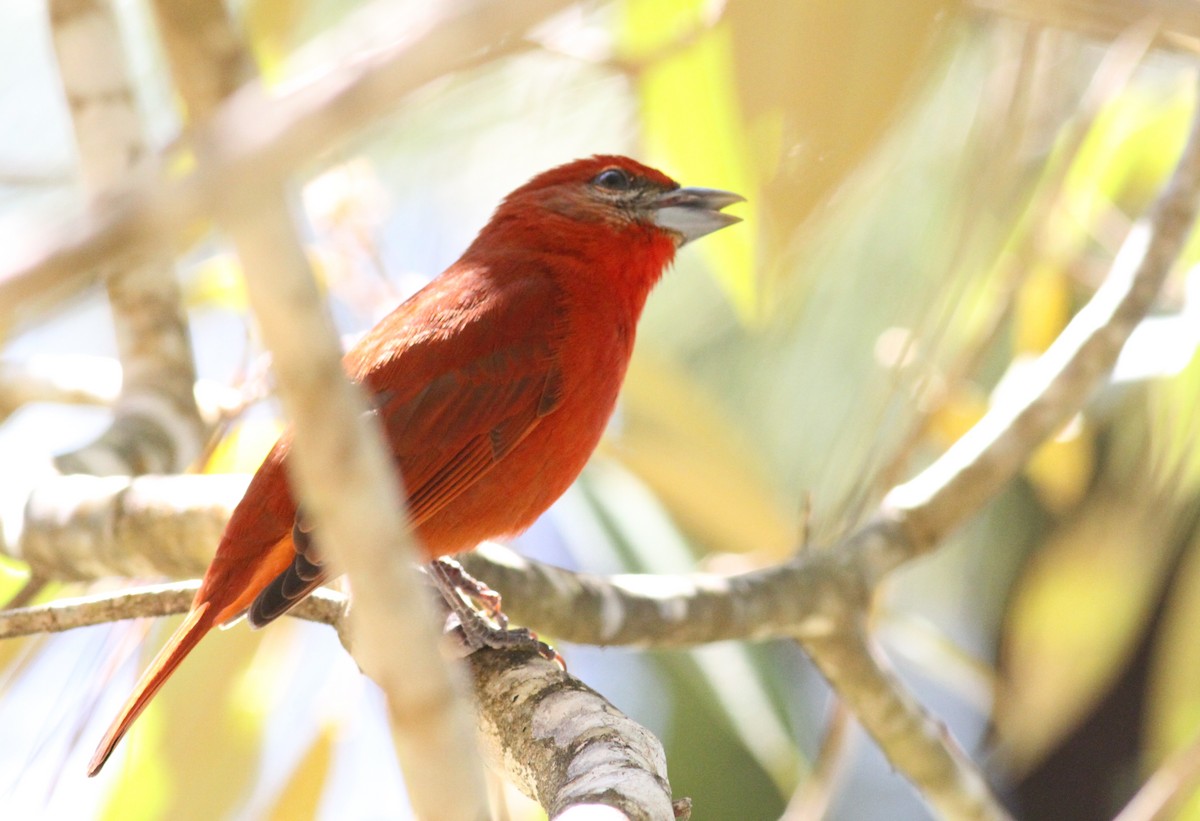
(86, 527)
(208, 60)
(325, 606)
(99, 92)
(28, 295)
(348, 486)
(258, 139)
(84, 379)
(973, 470)
(74, 380)
(156, 425)
(338, 461)
(85, 611)
(788, 600)
(916, 743)
(564, 744)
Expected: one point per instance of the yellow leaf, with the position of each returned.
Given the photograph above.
(956, 414)
(271, 28)
(1043, 308)
(1128, 152)
(301, 796)
(1173, 706)
(690, 116)
(1061, 469)
(243, 450)
(216, 283)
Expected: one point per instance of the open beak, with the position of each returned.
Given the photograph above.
(690, 213)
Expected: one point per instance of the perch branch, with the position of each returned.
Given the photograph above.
(562, 743)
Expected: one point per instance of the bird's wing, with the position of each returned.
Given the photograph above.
(456, 384)
(460, 395)
(465, 421)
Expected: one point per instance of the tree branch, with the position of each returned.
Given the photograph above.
(257, 139)
(1057, 385)
(916, 743)
(86, 379)
(156, 425)
(82, 527)
(560, 742)
(339, 469)
(563, 743)
(154, 601)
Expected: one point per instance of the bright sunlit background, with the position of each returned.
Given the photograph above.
(933, 190)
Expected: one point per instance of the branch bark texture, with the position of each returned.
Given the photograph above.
(156, 426)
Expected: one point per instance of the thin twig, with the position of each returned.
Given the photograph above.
(1172, 783)
(810, 802)
(28, 592)
(153, 601)
(562, 743)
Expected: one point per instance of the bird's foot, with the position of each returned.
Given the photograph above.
(475, 614)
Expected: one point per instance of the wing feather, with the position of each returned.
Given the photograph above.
(459, 376)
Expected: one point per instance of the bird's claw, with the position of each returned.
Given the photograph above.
(475, 616)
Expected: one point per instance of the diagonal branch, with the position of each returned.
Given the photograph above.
(338, 464)
(340, 471)
(915, 742)
(258, 139)
(973, 470)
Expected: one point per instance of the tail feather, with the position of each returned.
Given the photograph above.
(194, 628)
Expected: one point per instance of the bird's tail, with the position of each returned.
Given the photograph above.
(194, 628)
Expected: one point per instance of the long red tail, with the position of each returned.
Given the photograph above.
(194, 628)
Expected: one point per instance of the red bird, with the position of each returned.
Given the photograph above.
(493, 384)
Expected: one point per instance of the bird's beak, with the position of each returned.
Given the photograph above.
(690, 213)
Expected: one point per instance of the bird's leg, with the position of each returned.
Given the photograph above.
(482, 599)
(477, 609)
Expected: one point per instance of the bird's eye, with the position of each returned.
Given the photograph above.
(614, 179)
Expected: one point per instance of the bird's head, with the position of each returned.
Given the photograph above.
(609, 201)
(604, 219)
(623, 195)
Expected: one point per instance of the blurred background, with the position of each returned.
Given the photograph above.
(934, 188)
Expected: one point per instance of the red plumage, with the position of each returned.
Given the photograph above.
(493, 383)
